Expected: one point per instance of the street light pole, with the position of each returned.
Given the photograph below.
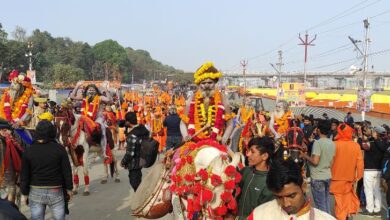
(29, 55)
(366, 40)
(364, 54)
(244, 63)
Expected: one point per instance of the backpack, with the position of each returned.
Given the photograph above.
(149, 152)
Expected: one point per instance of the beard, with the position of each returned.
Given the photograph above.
(16, 90)
(208, 93)
(280, 113)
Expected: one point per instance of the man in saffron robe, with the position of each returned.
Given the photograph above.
(92, 116)
(347, 169)
(92, 107)
(280, 119)
(16, 101)
(207, 109)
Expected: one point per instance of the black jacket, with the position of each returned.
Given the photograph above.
(131, 160)
(374, 155)
(45, 164)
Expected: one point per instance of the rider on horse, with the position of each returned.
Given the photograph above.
(92, 110)
(207, 110)
(16, 102)
(206, 121)
(15, 109)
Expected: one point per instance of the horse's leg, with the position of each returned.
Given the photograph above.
(76, 180)
(85, 170)
(115, 161)
(11, 193)
(10, 184)
(105, 177)
(105, 167)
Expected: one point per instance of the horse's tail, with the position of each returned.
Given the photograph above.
(112, 168)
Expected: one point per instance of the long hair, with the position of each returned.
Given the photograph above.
(93, 86)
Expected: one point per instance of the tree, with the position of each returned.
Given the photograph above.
(15, 56)
(3, 49)
(64, 75)
(19, 34)
(111, 59)
(3, 34)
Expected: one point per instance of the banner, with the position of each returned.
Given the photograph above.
(363, 102)
(293, 93)
(32, 76)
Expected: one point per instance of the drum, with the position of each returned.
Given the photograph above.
(153, 199)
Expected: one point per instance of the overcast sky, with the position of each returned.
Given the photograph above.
(186, 33)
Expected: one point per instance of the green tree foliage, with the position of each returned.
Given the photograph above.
(14, 57)
(144, 67)
(60, 59)
(111, 60)
(3, 50)
(64, 75)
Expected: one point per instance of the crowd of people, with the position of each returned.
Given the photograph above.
(284, 154)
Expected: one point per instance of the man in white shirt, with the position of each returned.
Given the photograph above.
(285, 181)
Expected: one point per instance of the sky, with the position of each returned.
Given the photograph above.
(186, 33)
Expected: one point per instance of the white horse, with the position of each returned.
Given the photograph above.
(79, 150)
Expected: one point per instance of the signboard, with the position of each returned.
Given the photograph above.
(363, 102)
(53, 95)
(293, 93)
(32, 76)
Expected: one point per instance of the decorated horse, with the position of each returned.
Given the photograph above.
(200, 181)
(11, 150)
(15, 113)
(73, 135)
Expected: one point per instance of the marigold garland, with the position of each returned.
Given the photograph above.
(246, 114)
(157, 125)
(201, 73)
(13, 110)
(281, 124)
(90, 109)
(198, 118)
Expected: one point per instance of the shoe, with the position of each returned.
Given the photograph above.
(367, 213)
(377, 214)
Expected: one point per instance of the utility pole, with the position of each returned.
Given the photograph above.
(366, 40)
(279, 65)
(364, 54)
(244, 63)
(306, 43)
(29, 55)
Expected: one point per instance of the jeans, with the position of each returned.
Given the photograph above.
(320, 191)
(40, 198)
(173, 141)
(372, 189)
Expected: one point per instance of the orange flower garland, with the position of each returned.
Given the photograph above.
(157, 125)
(246, 114)
(199, 119)
(281, 124)
(13, 110)
(90, 109)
